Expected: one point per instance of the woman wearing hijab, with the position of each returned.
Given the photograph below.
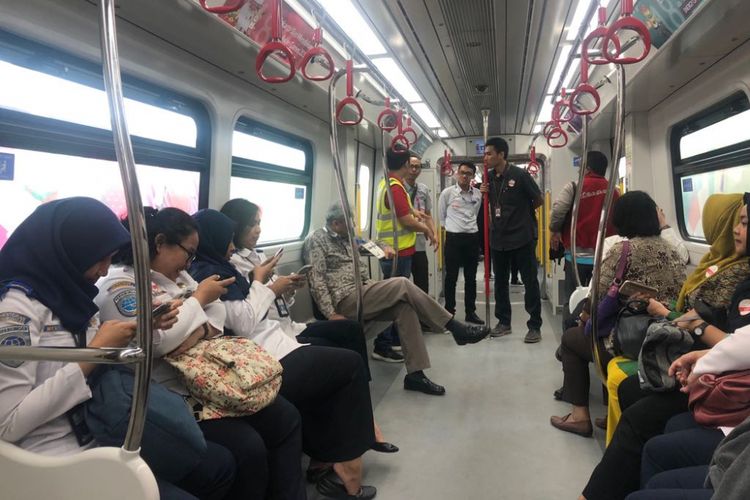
(267, 445)
(618, 472)
(48, 268)
(327, 385)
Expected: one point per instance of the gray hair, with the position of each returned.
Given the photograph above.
(335, 212)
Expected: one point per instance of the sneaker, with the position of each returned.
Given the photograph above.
(532, 336)
(500, 330)
(389, 356)
(397, 348)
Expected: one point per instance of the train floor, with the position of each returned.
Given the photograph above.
(489, 437)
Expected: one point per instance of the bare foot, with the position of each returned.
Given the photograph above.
(350, 474)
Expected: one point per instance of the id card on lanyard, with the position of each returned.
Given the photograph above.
(498, 198)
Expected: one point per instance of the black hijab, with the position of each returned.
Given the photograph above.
(215, 231)
(48, 254)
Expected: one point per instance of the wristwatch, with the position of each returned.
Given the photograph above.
(700, 329)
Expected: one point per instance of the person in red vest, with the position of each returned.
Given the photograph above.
(592, 199)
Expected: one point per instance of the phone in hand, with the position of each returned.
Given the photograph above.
(304, 270)
(278, 252)
(629, 288)
(160, 309)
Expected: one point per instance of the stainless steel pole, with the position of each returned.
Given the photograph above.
(486, 229)
(577, 203)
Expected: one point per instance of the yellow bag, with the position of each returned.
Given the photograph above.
(229, 376)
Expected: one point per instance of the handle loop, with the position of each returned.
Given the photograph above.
(386, 116)
(275, 46)
(626, 22)
(231, 6)
(583, 88)
(317, 50)
(349, 100)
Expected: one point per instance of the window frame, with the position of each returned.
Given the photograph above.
(723, 158)
(20, 130)
(257, 170)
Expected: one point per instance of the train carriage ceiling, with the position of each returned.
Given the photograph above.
(475, 54)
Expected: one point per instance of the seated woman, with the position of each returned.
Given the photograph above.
(652, 262)
(342, 333)
(48, 268)
(327, 385)
(618, 472)
(711, 286)
(266, 445)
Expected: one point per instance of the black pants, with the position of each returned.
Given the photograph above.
(629, 392)
(461, 250)
(576, 354)
(211, 479)
(420, 271)
(329, 388)
(618, 472)
(584, 272)
(678, 484)
(525, 258)
(267, 447)
(345, 334)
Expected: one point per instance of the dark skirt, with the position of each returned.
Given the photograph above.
(329, 388)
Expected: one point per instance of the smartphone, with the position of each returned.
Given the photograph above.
(278, 252)
(160, 309)
(631, 287)
(304, 270)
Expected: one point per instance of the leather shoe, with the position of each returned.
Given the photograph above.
(384, 447)
(332, 488)
(601, 423)
(315, 474)
(471, 335)
(421, 383)
(473, 318)
(582, 428)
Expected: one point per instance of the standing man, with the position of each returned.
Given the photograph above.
(513, 197)
(458, 208)
(420, 197)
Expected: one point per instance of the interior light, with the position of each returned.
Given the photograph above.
(559, 67)
(537, 128)
(545, 114)
(426, 114)
(354, 25)
(442, 133)
(396, 77)
(572, 73)
(575, 25)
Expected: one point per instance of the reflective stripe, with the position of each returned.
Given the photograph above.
(384, 221)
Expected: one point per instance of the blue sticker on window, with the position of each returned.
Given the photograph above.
(7, 164)
(299, 193)
(479, 144)
(577, 161)
(687, 185)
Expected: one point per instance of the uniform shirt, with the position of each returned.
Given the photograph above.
(35, 395)
(245, 260)
(513, 193)
(458, 209)
(117, 300)
(401, 202)
(421, 199)
(332, 276)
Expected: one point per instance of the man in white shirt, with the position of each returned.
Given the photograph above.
(458, 208)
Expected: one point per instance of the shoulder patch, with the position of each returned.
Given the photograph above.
(126, 303)
(118, 285)
(511, 183)
(14, 335)
(13, 317)
(744, 307)
(711, 270)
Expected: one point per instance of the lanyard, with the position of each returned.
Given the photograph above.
(497, 200)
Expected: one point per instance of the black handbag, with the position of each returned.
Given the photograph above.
(630, 329)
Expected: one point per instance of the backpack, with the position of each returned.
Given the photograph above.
(664, 343)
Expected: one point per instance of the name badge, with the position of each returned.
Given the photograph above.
(498, 213)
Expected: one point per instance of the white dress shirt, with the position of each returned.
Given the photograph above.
(458, 209)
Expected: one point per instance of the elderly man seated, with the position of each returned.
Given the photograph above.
(396, 299)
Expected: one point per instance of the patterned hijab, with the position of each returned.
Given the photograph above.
(720, 214)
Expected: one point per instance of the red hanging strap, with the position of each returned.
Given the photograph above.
(598, 35)
(626, 22)
(387, 116)
(275, 46)
(317, 50)
(349, 100)
(229, 6)
(583, 88)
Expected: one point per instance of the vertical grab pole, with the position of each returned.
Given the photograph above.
(126, 161)
(577, 202)
(619, 129)
(389, 194)
(341, 185)
(486, 228)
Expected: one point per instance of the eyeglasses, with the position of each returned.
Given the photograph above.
(466, 174)
(190, 255)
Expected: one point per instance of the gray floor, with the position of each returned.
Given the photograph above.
(489, 437)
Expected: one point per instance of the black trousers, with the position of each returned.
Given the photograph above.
(576, 354)
(345, 334)
(211, 479)
(584, 272)
(267, 447)
(420, 271)
(525, 258)
(461, 250)
(329, 388)
(618, 472)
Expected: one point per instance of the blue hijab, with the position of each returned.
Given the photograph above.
(48, 254)
(215, 231)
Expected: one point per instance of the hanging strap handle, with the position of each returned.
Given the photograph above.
(317, 50)
(564, 104)
(349, 100)
(400, 142)
(275, 46)
(583, 88)
(598, 34)
(230, 6)
(409, 130)
(626, 22)
(386, 116)
(533, 167)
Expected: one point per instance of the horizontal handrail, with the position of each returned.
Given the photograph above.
(101, 355)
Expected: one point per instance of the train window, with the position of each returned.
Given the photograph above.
(274, 170)
(710, 154)
(55, 138)
(363, 190)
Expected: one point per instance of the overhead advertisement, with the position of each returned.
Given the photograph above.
(663, 17)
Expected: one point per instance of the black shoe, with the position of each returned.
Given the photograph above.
(420, 382)
(330, 487)
(471, 335)
(473, 318)
(314, 475)
(558, 394)
(384, 447)
(558, 353)
(389, 356)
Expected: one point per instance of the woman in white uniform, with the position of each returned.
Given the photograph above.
(267, 445)
(48, 268)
